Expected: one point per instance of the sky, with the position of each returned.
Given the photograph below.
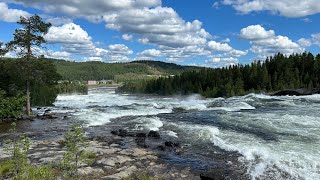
(212, 33)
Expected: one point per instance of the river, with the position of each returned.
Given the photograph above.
(276, 137)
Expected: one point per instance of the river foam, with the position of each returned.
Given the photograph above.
(278, 137)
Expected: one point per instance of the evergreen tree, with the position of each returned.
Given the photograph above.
(26, 40)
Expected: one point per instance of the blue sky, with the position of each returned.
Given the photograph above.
(207, 33)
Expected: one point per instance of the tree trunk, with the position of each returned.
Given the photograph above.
(28, 99)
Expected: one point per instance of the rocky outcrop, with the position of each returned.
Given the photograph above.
(296, 92)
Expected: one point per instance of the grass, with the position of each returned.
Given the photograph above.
(6, 168)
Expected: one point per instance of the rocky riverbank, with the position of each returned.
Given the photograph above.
(119, 154)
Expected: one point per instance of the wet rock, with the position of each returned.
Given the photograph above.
(141, 135)
(141, 142)
(214, 174)
(161, 148)
(39, 108)
(154, 134)
(123, 133)
(115, 132)
(171, 144)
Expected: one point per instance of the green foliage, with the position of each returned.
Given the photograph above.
(6, 167)
(75, 142)
(11, 107)
(43, 81)
(30, 35)
(39, 172)
(275, 73)
(120, 72)
(67, 87)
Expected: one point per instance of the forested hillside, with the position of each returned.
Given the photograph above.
(117, 71)
(275, 73)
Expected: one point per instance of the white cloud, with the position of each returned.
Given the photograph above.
(221, 61)
(287, 8)
(150, 53)
(304, 42)
(118, 52)
(72, 38)
(266, 43)
(58, 55)
(225, 40)
(220, 47)
(57, 21)
(314, 40)
(127, 37)
(92, 10)
(236, 53)
(119, 49)
(11, 15)
(256, 32)
(146, 20)
(92, 59)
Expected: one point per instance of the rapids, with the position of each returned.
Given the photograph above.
(277, 137)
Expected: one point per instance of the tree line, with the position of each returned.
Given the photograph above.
(278, 72)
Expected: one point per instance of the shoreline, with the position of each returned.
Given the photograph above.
(118, 156)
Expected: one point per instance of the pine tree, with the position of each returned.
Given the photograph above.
(26, 39)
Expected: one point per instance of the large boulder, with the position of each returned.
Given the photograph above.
(154, 134)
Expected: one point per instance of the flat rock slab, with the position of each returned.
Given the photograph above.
(89, 170)
(124, 172)
(112, 161)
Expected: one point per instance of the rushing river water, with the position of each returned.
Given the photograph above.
(277, 137)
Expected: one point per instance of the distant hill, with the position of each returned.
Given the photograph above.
(118, 71)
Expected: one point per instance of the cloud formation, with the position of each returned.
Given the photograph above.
(287, 8)
(11, 15)
(266, 42)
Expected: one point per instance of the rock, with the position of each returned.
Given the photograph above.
(115, 132)
(123, 132)
(141, 135)
(48, 160)
(141, 141)
(171, 144)
(297, 92)
(213, 174)
(112, 161)
(139, 152)
(90, 170)
(39, 108)
(154, 134)
(124, 172)
(161, 148)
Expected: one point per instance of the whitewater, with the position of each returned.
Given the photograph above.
(277, 137)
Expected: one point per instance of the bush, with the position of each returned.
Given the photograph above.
(11, 107)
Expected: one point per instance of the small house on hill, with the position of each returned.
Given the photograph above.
(92, 82)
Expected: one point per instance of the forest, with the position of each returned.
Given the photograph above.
(275, 73)
(120, 72)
